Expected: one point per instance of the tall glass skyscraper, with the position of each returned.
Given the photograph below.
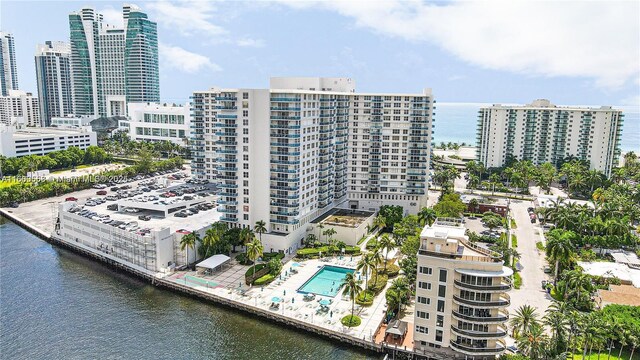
(53, 75)
(8, 68)
(112, 66)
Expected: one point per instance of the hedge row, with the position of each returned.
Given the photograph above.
(264, 280)
(315, 252)
(376, 285)
(365, 298)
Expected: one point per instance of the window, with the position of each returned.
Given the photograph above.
(425, 270)
(424, 285)
(440, 320)
(442, 290)
(424, 300)
(438, 335)
(423, 315)
(422, 329)
(440, 306)
(443, 275)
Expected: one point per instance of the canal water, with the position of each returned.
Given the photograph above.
(55, 304)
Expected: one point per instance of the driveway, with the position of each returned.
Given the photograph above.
(532, 261)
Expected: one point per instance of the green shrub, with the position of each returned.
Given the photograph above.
(275, 266)
(377, 284)
(315, 252)
(243, 259)
(514, 241)
(365, 298)
(264, 280)
(517, 280)
(351, 321)
(249, 271)
(270, 255)
(540, 246)
(363, 238)
(392, 270)
(587, 255)
(372, 244)
(513, 223)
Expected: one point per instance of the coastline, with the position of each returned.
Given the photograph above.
(208, 297)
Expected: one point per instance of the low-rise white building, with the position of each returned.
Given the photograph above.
(16, 142)
(158, 122)
(19, 107)
(72, 121)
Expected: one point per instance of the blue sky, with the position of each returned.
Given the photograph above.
(585, 53)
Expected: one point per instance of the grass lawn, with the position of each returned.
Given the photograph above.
(604, 355)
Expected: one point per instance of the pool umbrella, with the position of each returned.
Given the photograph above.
(275, 299)
(324, 302)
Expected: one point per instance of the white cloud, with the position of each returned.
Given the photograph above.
(594, 39)
(183, 60)
(186, 17)
(248, 42)
(112, 16)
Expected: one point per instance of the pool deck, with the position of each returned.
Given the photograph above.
(293, 305)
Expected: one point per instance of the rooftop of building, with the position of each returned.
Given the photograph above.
(446, 239)
(619, 294)
(38, 132)
(546, 104)
(495, 201)
(343, 217)
(623, 272)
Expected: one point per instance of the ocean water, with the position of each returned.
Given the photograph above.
(456, 122)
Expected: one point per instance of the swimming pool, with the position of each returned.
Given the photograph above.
(326, 281)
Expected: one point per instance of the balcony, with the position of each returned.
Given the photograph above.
(500, 333)
(469, 350)
(501, 318)
(285, 99)
(483, 288)
(504, 301)
(228, 186)
(226, 98)
(281, 108)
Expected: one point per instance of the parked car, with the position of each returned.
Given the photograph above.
(14, 204)
(99, 186)
(71, 198)
(144, 217)
(101, 192)
(112, 207)
(132, 210)
(180, 214)
(115, 188)
(547, 270)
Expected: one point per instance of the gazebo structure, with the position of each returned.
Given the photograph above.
(211, 264)
(397, 329)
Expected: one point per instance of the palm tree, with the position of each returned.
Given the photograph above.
(634, 341)
(386, 243)
(189, 241)
(352, 288)
(534, 342)
(579, 281)
(376, 260)
(559, 248)
(311, 239)
(366, 264)
(246, 235)
(329, 234)
(558, 323)
(397, 293)
(260, 228)
(427, 216)
(593, 178)
(254, 251)
(380, 221)
(524, 319)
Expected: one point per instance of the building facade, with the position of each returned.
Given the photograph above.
(461, 294)
(543, 132)
(19, 108)
(158, 122)
(8, 67)
(15, 142)
(111, 66)
(53, 76)
(318, 142)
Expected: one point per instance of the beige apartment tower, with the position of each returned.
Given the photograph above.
(461, 294)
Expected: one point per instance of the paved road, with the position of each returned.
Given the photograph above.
(532, 261)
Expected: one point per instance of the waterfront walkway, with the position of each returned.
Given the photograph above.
(291, 303)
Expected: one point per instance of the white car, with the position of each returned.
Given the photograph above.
(131, 210)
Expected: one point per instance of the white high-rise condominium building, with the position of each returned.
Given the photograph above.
(111, 66)
(158, 122)
(53, 76)
(287, 154)
(543, 132)
(19, 108)
(461, 294)
(8, 68)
